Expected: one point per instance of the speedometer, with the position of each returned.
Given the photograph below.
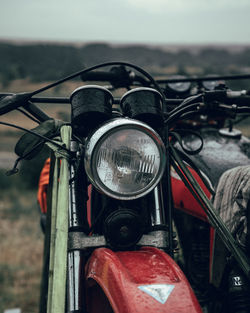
(210, 84)
(179, 87)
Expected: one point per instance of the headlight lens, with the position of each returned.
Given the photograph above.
(125, 158)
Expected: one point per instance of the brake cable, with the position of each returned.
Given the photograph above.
(179, 139)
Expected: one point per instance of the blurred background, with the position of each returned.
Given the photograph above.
(43, 41)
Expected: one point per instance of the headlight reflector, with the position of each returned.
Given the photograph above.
(125, 158)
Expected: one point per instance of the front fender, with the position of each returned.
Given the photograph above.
(146, 280)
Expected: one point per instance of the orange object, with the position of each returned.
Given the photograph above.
(43, 189)
(43, 186)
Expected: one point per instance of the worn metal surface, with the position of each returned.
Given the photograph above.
(79, 241)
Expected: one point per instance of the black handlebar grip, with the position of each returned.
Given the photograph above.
(228, 97)
(11, 102)
(243, 100)
(238, 97)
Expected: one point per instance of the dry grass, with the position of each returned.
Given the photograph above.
(21, 249)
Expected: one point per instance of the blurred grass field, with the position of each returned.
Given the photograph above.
(21, 238)
(21, 248)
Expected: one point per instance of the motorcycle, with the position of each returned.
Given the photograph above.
(110, 244)
(224, 152)
(222, 149)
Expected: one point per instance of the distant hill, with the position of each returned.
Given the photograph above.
(50, 61)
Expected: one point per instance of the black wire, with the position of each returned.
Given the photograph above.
(100, 214)
(14, 169)
(28, 115)
(178, 113)
(139, 69)
(38, 135)
(186, 102)
(169, 199)
(179, 139)
(205, 78)
(187, 115)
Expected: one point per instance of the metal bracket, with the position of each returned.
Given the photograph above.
(79, 241)
(157, 238)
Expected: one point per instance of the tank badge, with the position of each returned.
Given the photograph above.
(159, 292)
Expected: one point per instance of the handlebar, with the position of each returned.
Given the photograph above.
(224, 99)
(228, 97)
(10, 102)
(118, 77)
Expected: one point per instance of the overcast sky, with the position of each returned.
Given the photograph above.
(127, 21)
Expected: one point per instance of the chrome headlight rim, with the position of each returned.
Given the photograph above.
(106, 130)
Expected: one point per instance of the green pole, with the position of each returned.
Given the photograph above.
(59, 230)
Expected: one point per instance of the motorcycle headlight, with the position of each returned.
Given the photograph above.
(125, 158)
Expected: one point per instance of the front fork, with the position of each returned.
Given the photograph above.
(76, 258)
(158, 213)
(75, 270)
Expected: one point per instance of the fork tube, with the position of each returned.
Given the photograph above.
(74, 301)
(158, 215)
(75, 258)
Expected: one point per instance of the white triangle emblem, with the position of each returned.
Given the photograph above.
(159, 292)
